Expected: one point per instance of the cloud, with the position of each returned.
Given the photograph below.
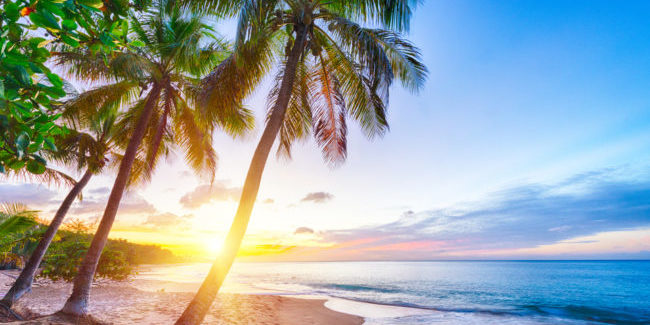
(204, 194)
(317, 197)
(29, 194)
(130, 204)
(268, 201)
(303, 230)
(167, 220)
(515, 219)
(100, 190)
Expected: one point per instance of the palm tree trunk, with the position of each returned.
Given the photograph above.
(77, 304)
(24, 282)
(199, 306)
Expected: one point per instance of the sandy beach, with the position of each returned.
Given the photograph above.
(123, 303)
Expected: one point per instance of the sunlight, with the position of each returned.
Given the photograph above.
(213, 246)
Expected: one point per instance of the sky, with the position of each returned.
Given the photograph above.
(530, 140)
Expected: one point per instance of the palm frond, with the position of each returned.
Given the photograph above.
(297, 122)
(364, 103)
(195, 140)
(329, 113)
(51, 177)
(100, 101)
(393, 14)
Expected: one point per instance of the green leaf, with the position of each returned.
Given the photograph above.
(92, 3)
(39, 159)
(43, 18)
(22, 141)
(35, 167)
(106, 39)
(36, 42)
(137, 43)
(22, 75)
(11, 11)
(55, 80)
(16, 164)
(69, 40)
(69, 24)
(49, 144)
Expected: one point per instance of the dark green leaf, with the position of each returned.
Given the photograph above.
(35, 167)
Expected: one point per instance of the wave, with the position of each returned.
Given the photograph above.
(356, 288)
(590, 314)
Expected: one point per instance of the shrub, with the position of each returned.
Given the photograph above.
(64, 257)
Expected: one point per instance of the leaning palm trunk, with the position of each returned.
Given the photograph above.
(24, 282)
(199, 306)
(77, 304)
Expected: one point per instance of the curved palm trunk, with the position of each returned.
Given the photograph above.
(77, 304)
(199, 306)
(24, 282)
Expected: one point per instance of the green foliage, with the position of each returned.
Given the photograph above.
(19, 231)
(170, 49)
(64, 257)
(344, 70)
(29, 91)
(137, 254)
(117, 262)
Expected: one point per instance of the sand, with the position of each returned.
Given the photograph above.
(123, 303)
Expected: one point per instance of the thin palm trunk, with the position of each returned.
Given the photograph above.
(199, 306)
(77, 304)
(24, 282)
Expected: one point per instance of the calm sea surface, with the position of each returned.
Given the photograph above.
(463, 292)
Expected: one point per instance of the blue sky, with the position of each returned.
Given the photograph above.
(521, 95)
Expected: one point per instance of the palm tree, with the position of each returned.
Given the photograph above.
(89, 151)
(173, 48)
(332, 68)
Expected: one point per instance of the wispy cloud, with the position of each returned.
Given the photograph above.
(303, 230)
(30, 194)
(317, 197)
(130, 204)
(167, 220)
(525, 216)
(204, 194)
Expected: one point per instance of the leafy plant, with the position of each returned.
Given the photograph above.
(63, 260)
(29, 91)
(18, 230)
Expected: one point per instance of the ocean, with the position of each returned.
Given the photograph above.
(449, 292)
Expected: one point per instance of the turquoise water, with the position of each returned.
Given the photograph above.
(460, 292)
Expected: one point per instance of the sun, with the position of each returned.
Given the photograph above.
(213, 245)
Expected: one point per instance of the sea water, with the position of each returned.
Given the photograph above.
(451, 292)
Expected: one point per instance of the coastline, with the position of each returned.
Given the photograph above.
(125, 303)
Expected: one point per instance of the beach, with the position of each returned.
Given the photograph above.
(373, 293)
(123, 303)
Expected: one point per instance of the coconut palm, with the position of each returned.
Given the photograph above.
(331, 69)
(172, 50)
(87, 150)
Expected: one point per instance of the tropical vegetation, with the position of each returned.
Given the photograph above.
(330, 68)
(29, 90)
(18, 229)
(86, 148)
(176, 48)
(166, 80)
(21, 228)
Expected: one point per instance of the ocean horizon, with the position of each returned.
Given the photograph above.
(444, 292)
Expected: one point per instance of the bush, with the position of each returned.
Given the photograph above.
(64, 257)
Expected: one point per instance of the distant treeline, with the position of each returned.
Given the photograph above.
(64, 255)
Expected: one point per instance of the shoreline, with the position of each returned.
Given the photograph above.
(123, 302)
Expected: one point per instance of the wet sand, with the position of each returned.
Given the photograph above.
(123, 303)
